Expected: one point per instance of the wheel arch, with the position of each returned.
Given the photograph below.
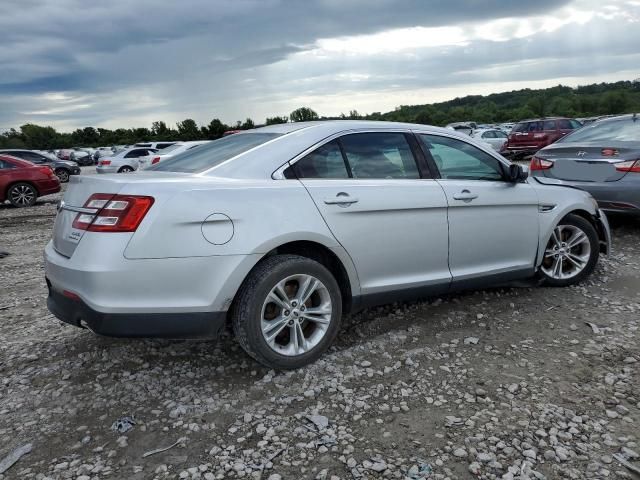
(592, 219)
(334, 259)
(29, 182)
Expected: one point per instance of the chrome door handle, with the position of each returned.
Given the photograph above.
(465, 195)
(341, 199)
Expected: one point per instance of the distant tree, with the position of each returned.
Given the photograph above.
(247, 125)
(160, 130)
(37, 137)
(276, 120)
(188, 130)
(215, 129)
(303, 114)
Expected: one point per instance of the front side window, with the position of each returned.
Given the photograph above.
(135, 153)
(324, 162)
(385, 155)
(459, 160)
(489, 134)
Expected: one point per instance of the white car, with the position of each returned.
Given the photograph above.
(280, 230)
(124, 161)
(493, 136)
(175, 149)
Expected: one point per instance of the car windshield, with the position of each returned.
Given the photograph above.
(214, 153)
(627, 130)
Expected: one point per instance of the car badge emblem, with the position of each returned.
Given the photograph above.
(581, 154)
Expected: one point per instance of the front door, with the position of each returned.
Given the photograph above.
(493, 223)
(392, 222)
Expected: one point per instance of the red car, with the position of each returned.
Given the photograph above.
(529, 136)
(22, 182)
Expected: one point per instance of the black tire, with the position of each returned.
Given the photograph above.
(592, 235)
(63, 175)
(125, 169)
(247, 309)
(22, 195)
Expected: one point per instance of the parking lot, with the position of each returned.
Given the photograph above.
(501, 383)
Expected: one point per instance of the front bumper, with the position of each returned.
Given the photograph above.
(74, 311)
(75, 171)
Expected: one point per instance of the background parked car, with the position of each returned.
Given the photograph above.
(156, 145)
(168, 152)
(602, 158)
(124, 161)
(64, 153)
(494, 137)
(82, 156)
(22, 182)
(103, 152)
(62, 168)
(529, 136)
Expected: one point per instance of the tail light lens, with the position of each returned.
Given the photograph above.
(155, 160)
(47, 170)
(114, 213)
(540, 164)
(104, 162)
(630, 166)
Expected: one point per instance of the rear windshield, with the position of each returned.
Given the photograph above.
(172, 148)
(213, 153)
(626, 130)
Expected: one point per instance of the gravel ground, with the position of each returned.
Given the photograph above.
(501, 383)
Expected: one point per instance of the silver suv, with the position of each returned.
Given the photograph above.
(281, 230)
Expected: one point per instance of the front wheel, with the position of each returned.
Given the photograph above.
(571, 254)
(288, 311)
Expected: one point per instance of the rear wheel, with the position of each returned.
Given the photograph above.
(571, 253)
(22, 195)
(288, 311)
(125, 169)
(62, 174)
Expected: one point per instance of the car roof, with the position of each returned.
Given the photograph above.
(542, 119)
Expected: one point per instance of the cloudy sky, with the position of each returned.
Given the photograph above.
(124, 63)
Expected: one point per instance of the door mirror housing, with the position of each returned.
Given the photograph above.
(517, 173)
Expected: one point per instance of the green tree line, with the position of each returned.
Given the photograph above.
(583, 101)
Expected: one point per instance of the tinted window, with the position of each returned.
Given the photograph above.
(534, 126)
(213, 153)
(160, 146)
(520, 127)
(549, 125)
(565, 125)
(4, 165)
(32, 157)
(500, 134)
(607, 131)
(456, 159)
(324, 162)
(379, 155)
(136, 153)
(143, 145)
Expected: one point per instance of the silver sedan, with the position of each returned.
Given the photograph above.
(124, 161)
(281, 230)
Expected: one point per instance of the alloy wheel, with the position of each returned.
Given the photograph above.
(567, 254)
(296, 314)
(22, 195)
(62, 175)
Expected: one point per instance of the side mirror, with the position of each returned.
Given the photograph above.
(517, 173)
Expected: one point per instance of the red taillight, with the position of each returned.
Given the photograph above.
(104, 162)
(630, 166)
(46, 170)
(71, 295)
(114, 213)
(155, 160)
(540, 164)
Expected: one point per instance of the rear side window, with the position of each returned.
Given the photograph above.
(4, 165)
(489, 134)
(379, 155)
(213, 153)
(520, 127)
(549, 125)
(324, 162)
(160, 146)
(567, 124)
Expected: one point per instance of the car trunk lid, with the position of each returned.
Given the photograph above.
(586, 163)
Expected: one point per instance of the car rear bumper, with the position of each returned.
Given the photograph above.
(107, 169)
(613, 197)
(74, 311)
(47, 187)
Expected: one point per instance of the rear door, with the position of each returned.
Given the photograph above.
(493, 223)
(390, 219)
